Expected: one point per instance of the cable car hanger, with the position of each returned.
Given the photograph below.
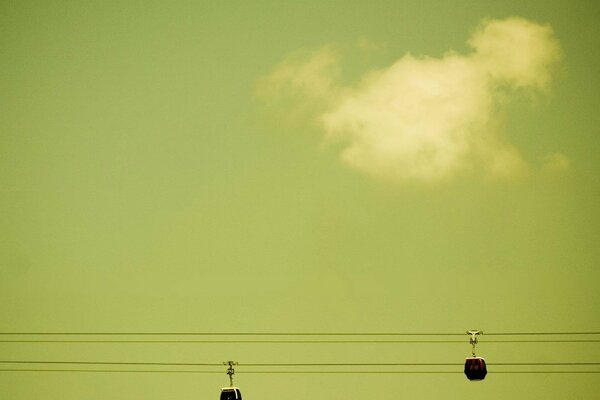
(230, 370)
(231, 392)
(473, 339)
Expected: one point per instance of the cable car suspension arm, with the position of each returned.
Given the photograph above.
(473, 338)
(230, 370)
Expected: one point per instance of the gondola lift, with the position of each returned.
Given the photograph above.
(231, 392)
(475, 368)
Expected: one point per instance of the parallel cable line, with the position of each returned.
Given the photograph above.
(220, 341)
(295, 333)
(482, 341)
(234, 333)
(539, 333)
(230, 341)
(113, 363)
(380, 364)
(544, 372)
(544, 363)
(112, 371)
(420, 372)
(284, 372)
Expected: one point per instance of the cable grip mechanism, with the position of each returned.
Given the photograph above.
(473, 338)
(230, 370)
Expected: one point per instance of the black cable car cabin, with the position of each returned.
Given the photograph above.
(475, 368)
(231, 393)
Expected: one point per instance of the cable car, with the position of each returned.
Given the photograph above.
(231, 393)
(475, 368)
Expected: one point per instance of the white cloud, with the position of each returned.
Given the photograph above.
(423, 119)
(516, 51)
(428, 119)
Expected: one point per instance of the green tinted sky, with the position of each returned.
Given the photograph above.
(145, 186)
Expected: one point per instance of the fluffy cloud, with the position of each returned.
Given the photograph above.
(516, 51)
(428, 119)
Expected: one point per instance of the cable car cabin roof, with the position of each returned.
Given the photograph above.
(231, 393)
(475, 361)
(475, 368)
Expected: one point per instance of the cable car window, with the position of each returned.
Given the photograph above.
(231, 394)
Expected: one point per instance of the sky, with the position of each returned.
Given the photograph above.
(314, 166)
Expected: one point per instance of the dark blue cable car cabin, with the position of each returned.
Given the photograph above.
(231, 393)
(475, 368)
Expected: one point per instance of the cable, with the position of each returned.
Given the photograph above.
(412, 364)
(286, 372)
(295, 333)
(111, 371)
(233, 333)
(295, 341)
(540, 333)
(291, 364)
(113, 363)
(417, 372)
(230, 341)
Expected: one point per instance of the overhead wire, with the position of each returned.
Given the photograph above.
(376, 364)
(289, 368)
(272, 341)
(287, 372)
(66, 333)
(291, 337)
